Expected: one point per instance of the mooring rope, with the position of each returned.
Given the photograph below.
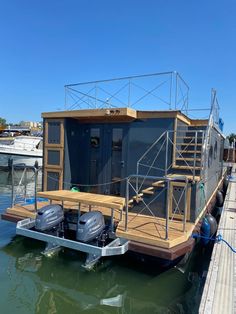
(217, 239)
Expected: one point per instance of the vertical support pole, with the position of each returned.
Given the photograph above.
(136, 183)
(171, 82)
(96, 96)
(65, 105)
(129, 93)
(167, 208)
(195, 155)
(185, 205)
(90, 208)
(126, 204)
(78, 211)
(166, 159)
(112, 219)
(176, 89)
(202, 154)
(12, 184)
(35, 188)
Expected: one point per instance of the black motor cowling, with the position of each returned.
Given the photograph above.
(48, 217)
(90, 226)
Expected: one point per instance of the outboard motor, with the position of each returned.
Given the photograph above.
(90, 226)
(49, 218)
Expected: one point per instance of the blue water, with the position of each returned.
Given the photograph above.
(33, 283)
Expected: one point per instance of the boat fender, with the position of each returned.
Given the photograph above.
(205, 231)
(219, 199)
(213, 224)
(225, 184)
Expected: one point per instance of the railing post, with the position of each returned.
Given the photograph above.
(185, 205)
(167, 209)
(12, 184)
(171, 82)
(176, 89)
(35, 187)
(126, 204)
(166, 160)
(195, 155)
(136, 184)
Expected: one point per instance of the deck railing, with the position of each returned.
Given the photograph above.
(137, 196)
(150, 162)
(25, 184)
(157, 91)
(213, 121)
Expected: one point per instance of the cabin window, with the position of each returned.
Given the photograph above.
(53, 157)
(95, 138)
(210, 156)
(117, 135)
(215, 149)
(53, 180)
(54, 132)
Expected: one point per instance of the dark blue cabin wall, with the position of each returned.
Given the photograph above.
(138, 136)
(142, 134)
(73, 151)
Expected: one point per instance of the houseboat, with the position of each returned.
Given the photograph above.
(120, 179)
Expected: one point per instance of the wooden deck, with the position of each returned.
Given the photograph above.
(219, 293)
(151, 230)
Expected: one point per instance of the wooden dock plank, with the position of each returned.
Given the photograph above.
(220, 287)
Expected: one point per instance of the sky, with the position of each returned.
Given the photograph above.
(46, 44)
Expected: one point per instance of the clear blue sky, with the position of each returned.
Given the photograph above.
(46, 44)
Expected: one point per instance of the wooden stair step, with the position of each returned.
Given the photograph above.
(189, 144)
(160, 183)
(186, 167)
(190, 151)
(188, 159)
(189, 137)
(148, 190)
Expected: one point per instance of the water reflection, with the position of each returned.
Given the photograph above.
(117, 285)
(33, 283)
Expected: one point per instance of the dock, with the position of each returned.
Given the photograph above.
(219, 295)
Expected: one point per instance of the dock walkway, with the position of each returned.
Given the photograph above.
(219, 295)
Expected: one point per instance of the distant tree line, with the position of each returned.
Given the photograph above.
(231, 137)
(2, 121)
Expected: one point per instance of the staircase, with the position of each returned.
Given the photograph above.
(187, 151)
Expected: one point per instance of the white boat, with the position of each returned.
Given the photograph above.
(23, 150)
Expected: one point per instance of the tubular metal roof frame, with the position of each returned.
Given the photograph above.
(167, 88)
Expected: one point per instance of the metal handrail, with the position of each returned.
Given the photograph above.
(167, 182)
(23, 168)
(213, 116)
(165, 136)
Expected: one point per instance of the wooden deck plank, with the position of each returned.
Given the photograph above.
(28, 211)
(151, 230)
(219, 292)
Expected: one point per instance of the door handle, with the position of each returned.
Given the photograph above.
(122, 163)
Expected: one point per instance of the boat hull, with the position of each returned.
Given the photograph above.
(19, 159)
